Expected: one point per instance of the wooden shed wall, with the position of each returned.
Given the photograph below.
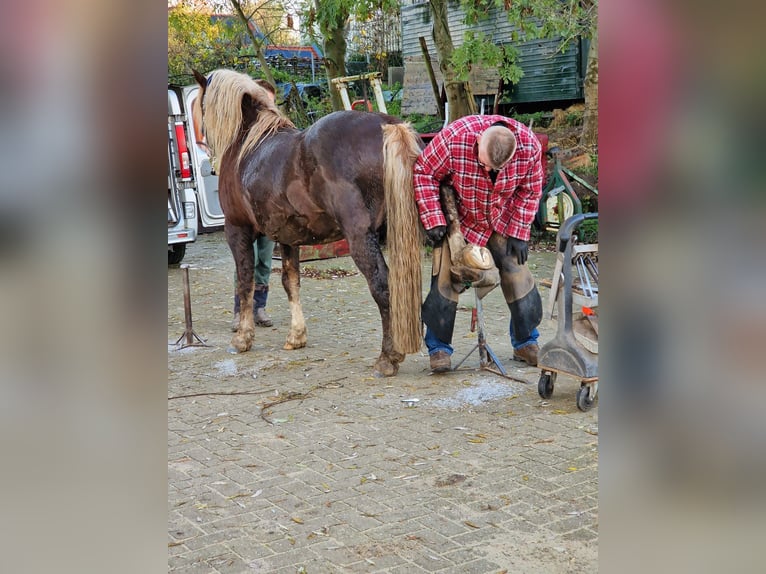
(548, 74)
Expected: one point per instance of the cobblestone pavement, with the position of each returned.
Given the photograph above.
(301, 461)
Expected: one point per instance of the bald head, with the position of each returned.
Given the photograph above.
(496, 146)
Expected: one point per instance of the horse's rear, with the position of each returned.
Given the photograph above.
(357, 168)
(346, 176)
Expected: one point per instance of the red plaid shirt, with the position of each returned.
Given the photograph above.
(507, 207)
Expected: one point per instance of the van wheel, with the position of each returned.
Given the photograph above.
(176, 253)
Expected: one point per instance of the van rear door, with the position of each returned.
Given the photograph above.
(182, 200)
(210, 212)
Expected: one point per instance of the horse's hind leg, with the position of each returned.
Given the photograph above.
(291, 281)
(366, 253)
(240, 240)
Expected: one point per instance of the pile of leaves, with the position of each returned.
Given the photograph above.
(329, 273)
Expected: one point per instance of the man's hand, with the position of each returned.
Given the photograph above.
(436, 235)
(518, 248)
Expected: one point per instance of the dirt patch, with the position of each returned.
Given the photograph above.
(450, 480)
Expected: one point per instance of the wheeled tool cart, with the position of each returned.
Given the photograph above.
(574, 349)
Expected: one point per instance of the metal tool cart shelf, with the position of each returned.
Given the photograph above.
(568, 354)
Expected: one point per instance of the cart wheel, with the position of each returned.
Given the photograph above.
(584, 400)
(545, 384)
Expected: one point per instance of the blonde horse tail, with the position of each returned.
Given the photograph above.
(400, 150)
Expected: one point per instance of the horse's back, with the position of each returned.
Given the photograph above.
(347, 145)
(340, 131)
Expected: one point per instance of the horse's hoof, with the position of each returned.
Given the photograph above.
(385, 368)
(292, 346)
(231, 350)
(295, 342)
(241, 344)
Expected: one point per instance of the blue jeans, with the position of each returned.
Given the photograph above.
(435, 344)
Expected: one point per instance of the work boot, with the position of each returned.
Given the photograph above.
(441, 362)
(260, 296)
(261, 318)
(527, 354)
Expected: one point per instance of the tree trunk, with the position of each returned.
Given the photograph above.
(257, 44)
(334, 37)
(460, 101)
(335, 62)
(589, 137)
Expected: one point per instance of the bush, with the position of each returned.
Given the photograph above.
(425, 124)
(539, 119)
(587, 231)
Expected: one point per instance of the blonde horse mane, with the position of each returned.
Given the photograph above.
(223, 113)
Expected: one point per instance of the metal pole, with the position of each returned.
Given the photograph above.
(187, 304)
(483, 359)
(188, 333)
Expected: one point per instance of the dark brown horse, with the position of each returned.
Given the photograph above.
(347, 176)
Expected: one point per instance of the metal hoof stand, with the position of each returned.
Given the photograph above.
(487, 357)
(188, 333)
(565, 354)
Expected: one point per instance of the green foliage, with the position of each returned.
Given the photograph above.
(587, 231)
(551, 18)
(531, 19)
(573, 119)
(196, 42)
(538, 119)
(329, 15)
(280, 76)
(424, 124)
(592, 169)
(394, 108)
(477, 48)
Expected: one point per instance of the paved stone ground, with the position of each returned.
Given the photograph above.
(478, 475)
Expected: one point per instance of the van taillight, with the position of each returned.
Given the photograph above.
(183, 150)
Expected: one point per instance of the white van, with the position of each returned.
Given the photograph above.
(210, 212)
(193, 204)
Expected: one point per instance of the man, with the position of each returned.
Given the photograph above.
(493, 163)
(264, 250)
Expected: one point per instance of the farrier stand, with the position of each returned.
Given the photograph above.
(189, 331)
(487, 357)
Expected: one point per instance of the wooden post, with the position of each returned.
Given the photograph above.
(431, 76)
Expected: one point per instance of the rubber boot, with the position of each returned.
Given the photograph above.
(260, 296)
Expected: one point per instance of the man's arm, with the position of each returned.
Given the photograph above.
(431, 167)
(525, 202)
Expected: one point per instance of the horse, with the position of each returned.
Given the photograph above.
(348, 176)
